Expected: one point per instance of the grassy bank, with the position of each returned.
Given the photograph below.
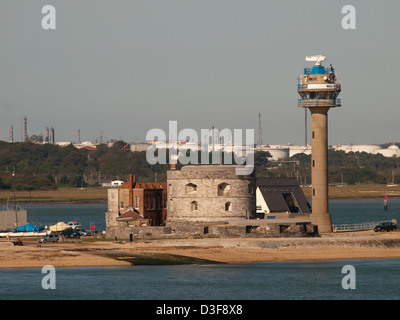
(99, 195)
(62, 195)
(359, 191)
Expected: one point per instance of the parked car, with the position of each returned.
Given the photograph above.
(84, 232)
(71, 233)
(49, 238)
(386, 226)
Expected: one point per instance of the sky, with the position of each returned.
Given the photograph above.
(124, 67)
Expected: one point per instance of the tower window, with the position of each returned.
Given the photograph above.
(313, 163)
(313, 192)
(224, 189)
(191, 188)
(194, 206)
(313, 134)
(228, 206)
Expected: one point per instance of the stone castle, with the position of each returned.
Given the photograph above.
(200, 201)
(209, 193)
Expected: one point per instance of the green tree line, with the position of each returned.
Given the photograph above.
(30, 166)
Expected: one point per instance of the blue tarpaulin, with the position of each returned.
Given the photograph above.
(28, 228)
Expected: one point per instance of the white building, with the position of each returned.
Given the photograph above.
(117, 183)
(391, 151)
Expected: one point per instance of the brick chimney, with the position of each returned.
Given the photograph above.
(131, 190)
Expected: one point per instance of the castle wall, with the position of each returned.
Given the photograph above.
(209, 193)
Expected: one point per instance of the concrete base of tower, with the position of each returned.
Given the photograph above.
(323, 221)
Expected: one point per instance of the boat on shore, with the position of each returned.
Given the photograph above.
(59, 226)
(74, 224)
(24, 234)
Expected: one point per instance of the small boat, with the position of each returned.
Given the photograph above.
(59, 226)
(74, 224)
(28, 228)
(24, 234)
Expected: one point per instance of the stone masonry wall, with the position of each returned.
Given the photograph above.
(218, 192)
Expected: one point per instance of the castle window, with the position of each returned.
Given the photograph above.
(194, 206)
(224, 189)
(228, 206)
(190, 188)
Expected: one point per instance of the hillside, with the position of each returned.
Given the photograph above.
(28, 166)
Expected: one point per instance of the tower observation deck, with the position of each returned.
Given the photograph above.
(319, 91)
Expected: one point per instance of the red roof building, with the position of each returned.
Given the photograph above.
(142, 203)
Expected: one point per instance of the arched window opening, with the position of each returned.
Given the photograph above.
(224, 189)
(194, 206)
(190, 188)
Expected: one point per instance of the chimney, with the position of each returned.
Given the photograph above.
(131, 190)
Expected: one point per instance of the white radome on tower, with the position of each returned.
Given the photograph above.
(318, 59)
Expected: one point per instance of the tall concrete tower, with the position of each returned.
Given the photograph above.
(318, 90)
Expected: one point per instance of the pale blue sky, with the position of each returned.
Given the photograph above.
(125, 67)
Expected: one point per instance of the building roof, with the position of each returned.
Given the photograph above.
(130, 214)
(145, 185)
(278, 194)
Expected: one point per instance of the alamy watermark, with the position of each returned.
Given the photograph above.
(49, 20)
(223, 146)
(349, 280)
(49, 280)
(349, 20)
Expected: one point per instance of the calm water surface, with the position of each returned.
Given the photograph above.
(375, 279)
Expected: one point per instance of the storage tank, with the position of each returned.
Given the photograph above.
(368, 148)
(278, 153)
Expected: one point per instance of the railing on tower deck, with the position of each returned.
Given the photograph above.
(319, 102)
(317, 86)
(321, 70)
(359, 226)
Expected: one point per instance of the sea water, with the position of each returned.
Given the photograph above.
(342, 212)
(314, 280)
(374, 279)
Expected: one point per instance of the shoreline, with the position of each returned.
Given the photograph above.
(98, 195)
(349, 246)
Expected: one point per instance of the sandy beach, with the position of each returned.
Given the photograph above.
(349, 245)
